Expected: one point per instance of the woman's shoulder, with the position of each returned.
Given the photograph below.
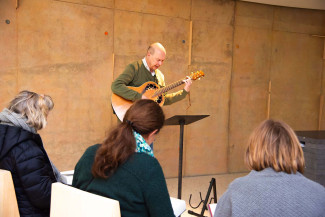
(143, 159)
(311, 185)
(142, 165)
(90, 152)
(134, 66)
(92, 149)
(27, 145)
(16, 135)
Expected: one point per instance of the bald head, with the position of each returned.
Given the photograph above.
(156, 46)
(156, 55)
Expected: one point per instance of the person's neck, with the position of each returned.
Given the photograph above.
(150, 70)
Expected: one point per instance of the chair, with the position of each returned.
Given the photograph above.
(8, 200)
(72, 202)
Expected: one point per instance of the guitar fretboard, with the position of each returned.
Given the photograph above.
(168, 87)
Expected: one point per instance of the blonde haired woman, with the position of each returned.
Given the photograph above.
(275, 186)
(23, 154)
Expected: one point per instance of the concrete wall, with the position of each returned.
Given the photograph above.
(260, 61)
(277, 71)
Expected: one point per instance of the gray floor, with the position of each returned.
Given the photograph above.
(194, 185)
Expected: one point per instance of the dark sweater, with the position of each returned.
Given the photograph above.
(136, 74)
(23, 154)
(138, 184)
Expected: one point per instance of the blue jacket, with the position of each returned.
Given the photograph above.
(23, 154)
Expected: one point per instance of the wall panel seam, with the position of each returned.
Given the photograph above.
(76, 3)
(230, 89)
(17, 50)
(146, 13)
(268, 108)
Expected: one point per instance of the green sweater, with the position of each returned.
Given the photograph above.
(138, 184)
(136, 74)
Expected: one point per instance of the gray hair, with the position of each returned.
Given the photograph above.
(35, 107)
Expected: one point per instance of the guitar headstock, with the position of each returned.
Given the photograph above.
(197, 75)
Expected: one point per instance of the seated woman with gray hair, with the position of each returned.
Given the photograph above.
(23, 154)
(275, 186)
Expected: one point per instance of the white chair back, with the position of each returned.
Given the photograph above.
(72, 202)
(8, 199)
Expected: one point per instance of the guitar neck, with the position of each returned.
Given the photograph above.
(168, 87)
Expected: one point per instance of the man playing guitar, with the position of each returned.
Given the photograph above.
(142, 71)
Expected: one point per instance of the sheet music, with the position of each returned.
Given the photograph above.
(179, 206)
(212, 207)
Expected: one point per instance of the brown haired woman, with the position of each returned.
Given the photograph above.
(124, 167)
(275, 186)
(23, 154)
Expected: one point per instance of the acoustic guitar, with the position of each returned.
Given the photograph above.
(149, 89)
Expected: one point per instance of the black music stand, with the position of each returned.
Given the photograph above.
(182, 120)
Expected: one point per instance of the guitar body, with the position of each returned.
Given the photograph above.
(121, 105)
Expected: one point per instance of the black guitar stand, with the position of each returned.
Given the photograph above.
(205, 202)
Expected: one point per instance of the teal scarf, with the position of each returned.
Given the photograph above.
(141, 144)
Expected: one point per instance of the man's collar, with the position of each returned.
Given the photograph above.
(147, 67)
